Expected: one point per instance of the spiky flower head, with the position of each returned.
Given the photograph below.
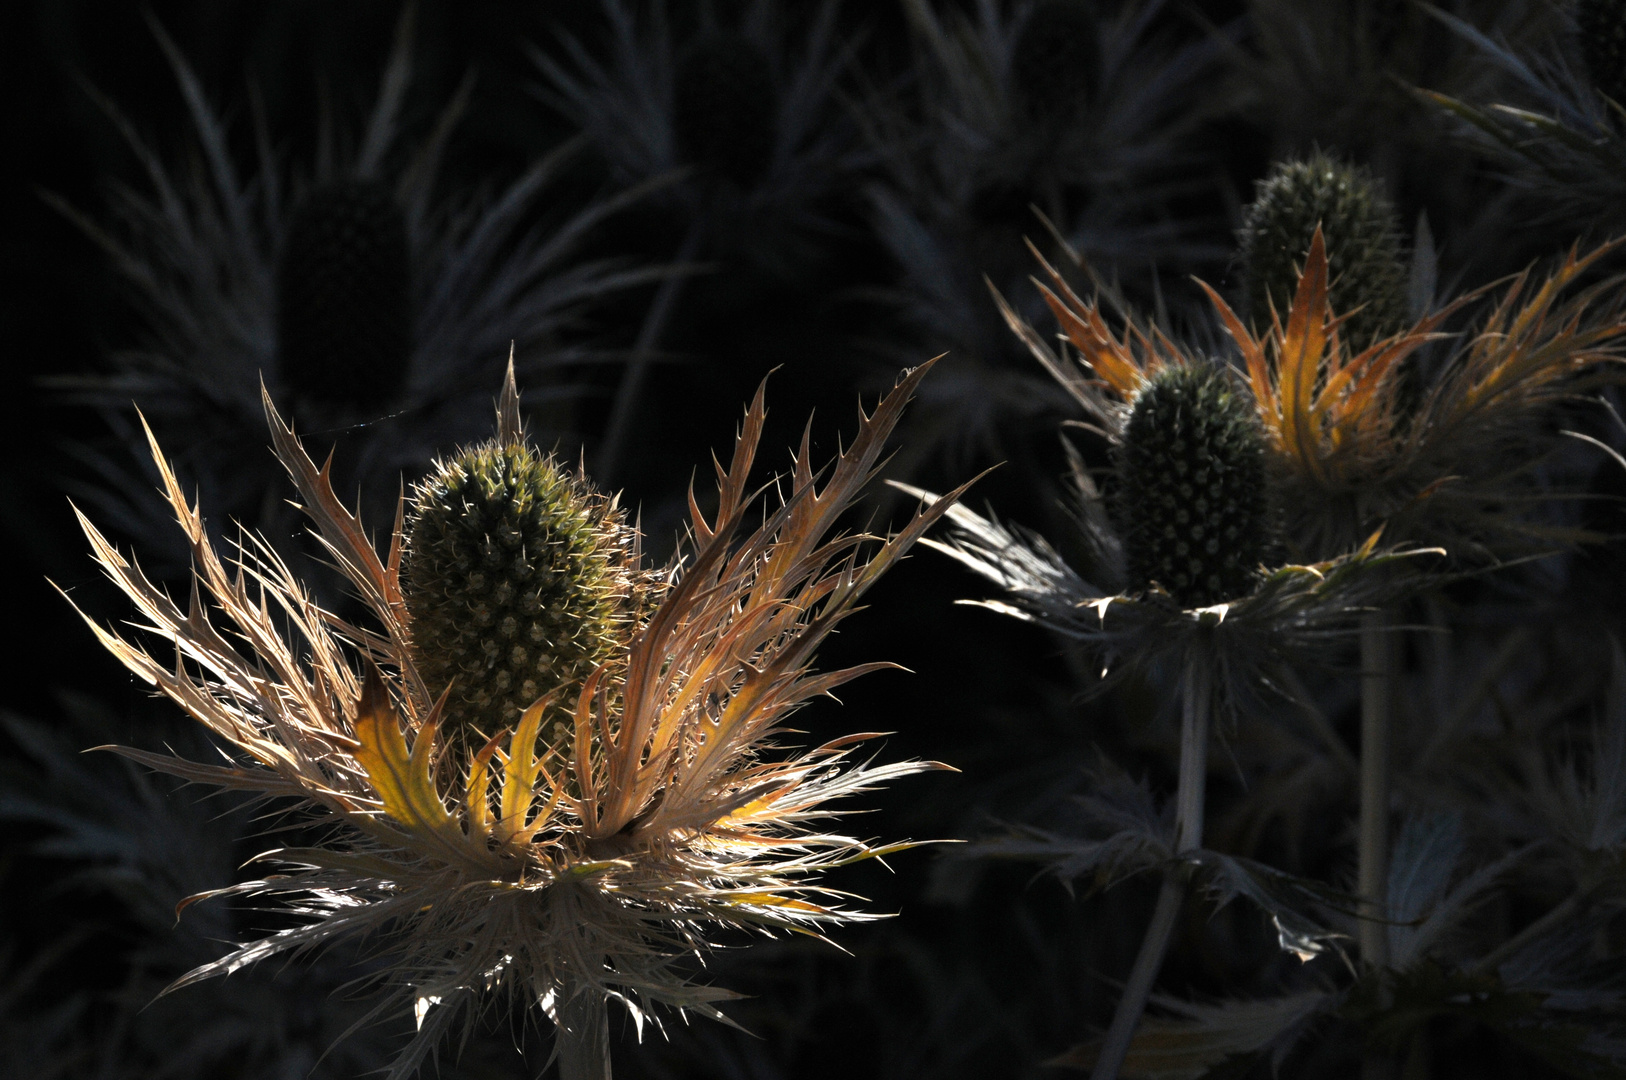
(561, 872)
(1362, 235)
(1056, 60)
(344, 281)
(1191, 503)
(520, 580)
(725, 106)
(1602, 25)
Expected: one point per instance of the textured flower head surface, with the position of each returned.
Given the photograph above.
(579, 866)
(357, 284)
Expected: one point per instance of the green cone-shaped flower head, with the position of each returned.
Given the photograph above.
(517, 577)
(1191, 500)
(725, 108)
(1056, 60)
(1362, 234)
(344, 314)
(1602, 24)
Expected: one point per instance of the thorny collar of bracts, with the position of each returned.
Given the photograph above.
(1359, 442)
(584, 868)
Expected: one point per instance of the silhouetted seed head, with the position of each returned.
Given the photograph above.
(1603, 44)
(512, 574)
(1056, 58)
(725, 108)
(344, 316)
(1362, 234)
(1191, 499)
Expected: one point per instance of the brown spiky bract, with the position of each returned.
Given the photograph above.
(545, 876)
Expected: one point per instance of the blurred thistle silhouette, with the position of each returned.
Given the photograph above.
(740, 117)
(369, 300)
(561, 867)
(1368, 272)
(1057, 106)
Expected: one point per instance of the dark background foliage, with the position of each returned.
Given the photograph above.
(987, 969)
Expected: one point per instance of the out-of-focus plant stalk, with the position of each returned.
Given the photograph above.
(1372, 873)
(1188, 836)
(583, 1032)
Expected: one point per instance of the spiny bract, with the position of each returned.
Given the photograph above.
(1602, 25)
(344, 278)
(515, 575)
(1363, 245)
(1191, 498)
(1056, 59)
(725, 107)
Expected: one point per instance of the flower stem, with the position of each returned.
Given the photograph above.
(1377, 688)
(582, 1029)
(1188, 836)
(1372, 873)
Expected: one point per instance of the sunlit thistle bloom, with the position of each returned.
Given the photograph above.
(576, 846)
(1053, 105)
(364, 295)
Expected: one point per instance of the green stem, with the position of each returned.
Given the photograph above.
(1188, 836)
(582, 1028)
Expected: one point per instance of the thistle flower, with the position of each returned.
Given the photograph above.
(1362, 233)
(564, 871)
(353, 288)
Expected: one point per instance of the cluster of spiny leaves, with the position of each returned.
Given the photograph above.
(1363, 245)
(516, 579)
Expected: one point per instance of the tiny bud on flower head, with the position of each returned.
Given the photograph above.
(344, 319)
(1191, 499)
(1055, 60)
(1602, 25)
(513, 576)
(725, 109)
(1362, 234)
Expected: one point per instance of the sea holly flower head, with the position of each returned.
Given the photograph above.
(481, 855)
